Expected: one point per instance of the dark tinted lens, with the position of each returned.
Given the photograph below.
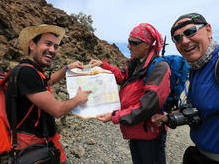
(134, 43)
(177, 38)
(190, 31)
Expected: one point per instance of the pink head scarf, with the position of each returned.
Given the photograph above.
(148, 34)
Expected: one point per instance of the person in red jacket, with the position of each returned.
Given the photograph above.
(141, 96)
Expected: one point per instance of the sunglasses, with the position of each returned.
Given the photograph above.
(189, 32)
(134, 43)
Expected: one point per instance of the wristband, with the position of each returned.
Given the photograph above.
(114, 112)
(66, 67)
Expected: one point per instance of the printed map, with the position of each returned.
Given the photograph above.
(104, 97)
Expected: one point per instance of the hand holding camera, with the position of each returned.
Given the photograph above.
(187, 115)
(184, 115)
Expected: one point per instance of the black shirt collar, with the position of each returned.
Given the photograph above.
(28, 61)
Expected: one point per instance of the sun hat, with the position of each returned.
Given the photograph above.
(28, 33)
(195, 18)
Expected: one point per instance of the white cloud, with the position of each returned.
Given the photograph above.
(114, 19)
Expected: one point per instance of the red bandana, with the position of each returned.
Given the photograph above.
(148, 34)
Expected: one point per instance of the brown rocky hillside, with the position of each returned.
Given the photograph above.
(78, 44)
(85, 141)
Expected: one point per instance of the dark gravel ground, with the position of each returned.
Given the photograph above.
(93, 142)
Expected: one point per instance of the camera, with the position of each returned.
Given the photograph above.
(187, 115)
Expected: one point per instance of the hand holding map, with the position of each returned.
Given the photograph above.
(104, 97)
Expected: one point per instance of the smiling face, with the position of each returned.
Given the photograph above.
(44, 51)
(139, 50)
(192, 48)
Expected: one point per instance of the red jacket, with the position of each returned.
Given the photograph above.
(140, 98)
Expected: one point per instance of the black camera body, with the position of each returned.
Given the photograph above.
(187, 115)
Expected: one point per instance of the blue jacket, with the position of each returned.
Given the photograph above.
(204, 95)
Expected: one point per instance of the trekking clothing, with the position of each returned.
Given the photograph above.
(155, 150)
(140, 100)
(4, 158)
(198, 64)
(203, 86)
(142, 97)
(144, 151)
(30, 82)
(31, 130)
(193, 155)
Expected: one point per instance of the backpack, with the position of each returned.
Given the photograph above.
(8, 140)
(179, 75)
(5, 145)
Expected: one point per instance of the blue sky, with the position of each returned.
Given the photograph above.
(114, 19)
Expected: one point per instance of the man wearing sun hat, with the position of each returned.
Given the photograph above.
(37, 107)
(192, 35)
(141, 96)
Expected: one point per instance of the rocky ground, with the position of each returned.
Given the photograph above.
(93, 142)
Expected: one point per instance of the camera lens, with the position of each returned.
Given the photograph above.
(180, 119)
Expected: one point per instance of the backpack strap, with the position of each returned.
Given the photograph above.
(216, 69)
(44, 120)
(32, 106)
(1, 73)
(12, 84)
(43, 77)
(12, 77)
(178, 81)
(152, 65)
(28, 112)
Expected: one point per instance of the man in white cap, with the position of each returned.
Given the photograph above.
(192, 36)
(36, 106)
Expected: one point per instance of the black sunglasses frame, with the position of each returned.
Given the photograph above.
(189, 32)
(134, 43)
